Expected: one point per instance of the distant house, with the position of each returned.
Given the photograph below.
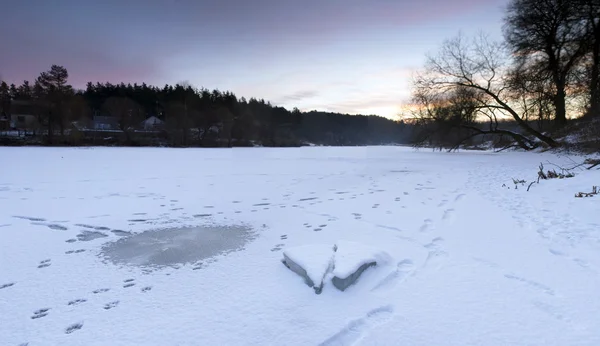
(152, 123)
(4, 122)
(22, 114)
(105, 123)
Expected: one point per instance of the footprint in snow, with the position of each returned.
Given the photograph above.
(427, 225)
(403, 270)
(277, 247)
(542, 288)
(111, 305)
(10, 284)
(359, 328)
(74, 327)
(44, 264)
(40, 313)
(448, 215)
(131, 284)
(76, 302)
(30, 218)
(74, 251)
(101, 290)
(284, 237)
(146, 289)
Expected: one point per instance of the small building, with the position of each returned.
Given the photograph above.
(4, 122)
(152, 123)
(101, 122)
(22, 114)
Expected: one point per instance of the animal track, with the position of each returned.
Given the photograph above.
(459, 197)
(277, 247)
(76, 326)
(120, 233)
(10, 284)
(40, 313)
(284, 237)
(201, 215)
(74, 251)
(101, 290)
(146, 289)
(57, 227)
(536, 285)
(317, 229)
(357, 329)
(30, 218)
(77, 302)
(129, 284)
(128, 280)
(551, 310)
(90, 235)
(44, 264)
(111, 305)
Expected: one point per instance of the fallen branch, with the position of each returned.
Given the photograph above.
(592, 162)
(588, 194)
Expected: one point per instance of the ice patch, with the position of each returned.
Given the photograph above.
(171, 246)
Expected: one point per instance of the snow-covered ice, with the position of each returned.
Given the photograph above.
(472, 259)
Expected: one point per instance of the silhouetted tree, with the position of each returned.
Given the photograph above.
(53, 93)
(547, 35)
(479, 66)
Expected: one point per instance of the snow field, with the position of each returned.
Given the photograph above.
(473, 262)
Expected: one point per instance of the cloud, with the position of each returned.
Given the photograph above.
(297, 96)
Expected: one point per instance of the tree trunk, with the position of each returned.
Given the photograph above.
(560, 107)
(50, 127)
(595, 76)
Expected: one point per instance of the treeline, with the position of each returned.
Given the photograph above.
(178, 115)
(522, 91)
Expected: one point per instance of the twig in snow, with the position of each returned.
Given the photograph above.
(588, 194)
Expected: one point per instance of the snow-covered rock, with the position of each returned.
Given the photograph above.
(352, 259)
(345, 261)
(311, 262)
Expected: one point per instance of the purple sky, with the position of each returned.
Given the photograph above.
(353, 56)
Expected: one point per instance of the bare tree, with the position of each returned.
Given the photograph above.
(547, 33)
(588, 12)
(481, 66)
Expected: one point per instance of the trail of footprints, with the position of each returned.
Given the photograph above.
(43, 312)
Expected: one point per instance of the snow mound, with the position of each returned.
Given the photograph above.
(345, 261)
(312, 262)
(352, 259)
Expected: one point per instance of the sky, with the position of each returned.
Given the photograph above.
(348, 56)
